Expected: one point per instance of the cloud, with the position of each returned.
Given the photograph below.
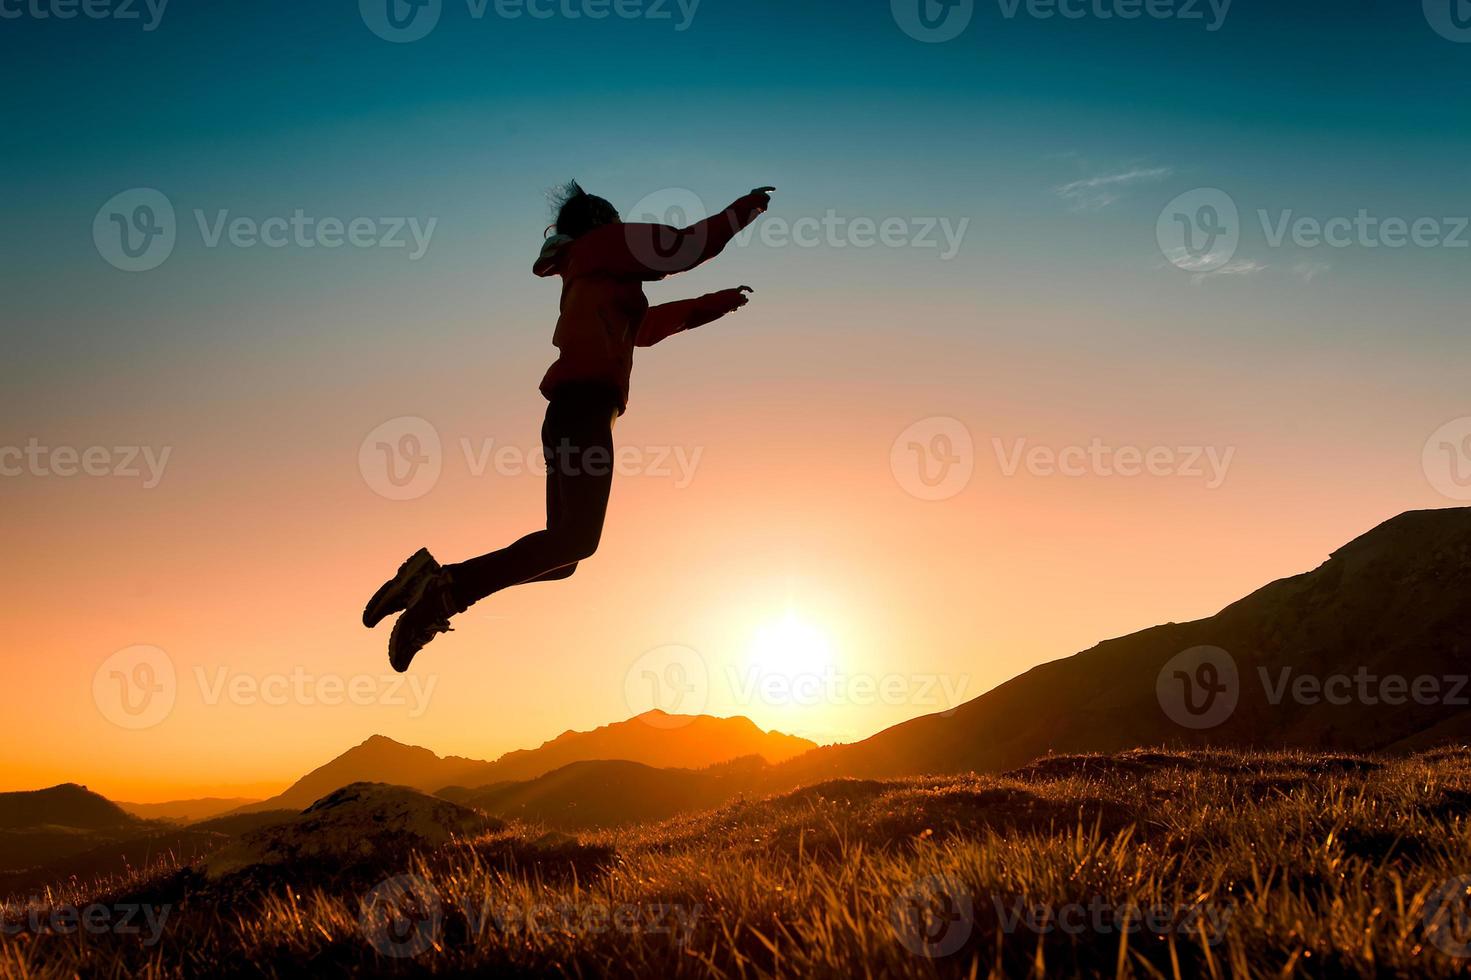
(1308, 271)
(1236, 267)
(1096, 193)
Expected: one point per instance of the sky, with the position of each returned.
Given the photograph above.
(1064, 326)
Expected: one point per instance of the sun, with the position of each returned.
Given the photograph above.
(790, 647)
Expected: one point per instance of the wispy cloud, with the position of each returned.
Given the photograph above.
(1308, 271)
(1096, 193)
(1207, 266)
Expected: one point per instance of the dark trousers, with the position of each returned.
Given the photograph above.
(577, 443)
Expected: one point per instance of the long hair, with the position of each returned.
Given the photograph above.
(578, 212)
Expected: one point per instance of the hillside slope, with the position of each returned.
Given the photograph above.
(1395, 601)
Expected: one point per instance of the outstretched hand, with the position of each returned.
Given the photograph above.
(734, 299)
(763, 196)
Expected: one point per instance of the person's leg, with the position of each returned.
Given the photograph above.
(578, 441)
(555, 510)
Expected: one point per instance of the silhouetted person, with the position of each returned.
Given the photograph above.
(603, 263)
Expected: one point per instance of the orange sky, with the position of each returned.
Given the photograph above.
(249, 563)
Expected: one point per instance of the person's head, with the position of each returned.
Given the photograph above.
(579, 212)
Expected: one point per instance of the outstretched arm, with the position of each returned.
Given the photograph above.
(668, 319)
(651, 252)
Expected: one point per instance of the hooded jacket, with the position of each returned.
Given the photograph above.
(604, 312)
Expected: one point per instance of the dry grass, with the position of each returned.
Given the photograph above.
(1259, 865)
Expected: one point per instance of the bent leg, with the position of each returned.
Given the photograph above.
(578, 442)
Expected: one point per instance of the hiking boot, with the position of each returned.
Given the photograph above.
(427, 617)
(401, 591)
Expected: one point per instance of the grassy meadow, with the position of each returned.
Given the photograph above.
(1146, 864)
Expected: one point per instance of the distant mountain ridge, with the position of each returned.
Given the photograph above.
(67, 805)
(655, 739)
(613, 793)
(185, 811)
(1395, 601)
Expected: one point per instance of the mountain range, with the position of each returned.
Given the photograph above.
(1367, 653)
(654, 738)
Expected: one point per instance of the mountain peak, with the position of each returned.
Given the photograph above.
(66, 804)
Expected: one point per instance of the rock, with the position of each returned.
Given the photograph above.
(364, 826)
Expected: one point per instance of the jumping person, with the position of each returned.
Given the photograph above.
(603, 263)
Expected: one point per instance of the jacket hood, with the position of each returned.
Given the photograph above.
(553, 258)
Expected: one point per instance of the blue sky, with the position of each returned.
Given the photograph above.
(1058, 147)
